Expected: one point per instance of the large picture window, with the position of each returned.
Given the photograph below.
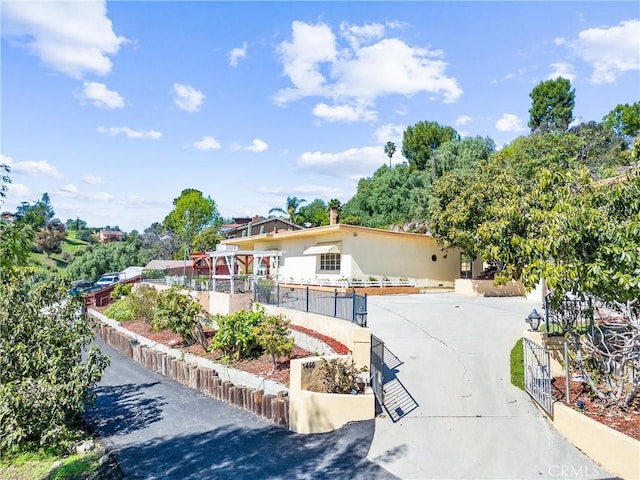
(330, 262)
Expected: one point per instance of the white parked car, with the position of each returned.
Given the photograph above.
(108, 279)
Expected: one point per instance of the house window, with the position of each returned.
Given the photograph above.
(466, 266)
(330, 262)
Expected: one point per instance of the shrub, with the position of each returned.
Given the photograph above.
(120, 310)
(143, 302)
(180, 314)
(236, 336)
(340, 376)
(45, 380)
(273, 336)
(121, 290)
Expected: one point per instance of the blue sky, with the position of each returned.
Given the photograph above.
(114, 108)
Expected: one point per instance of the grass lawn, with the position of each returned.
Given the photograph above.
(29, 466)
(517, 365)
(56, 262)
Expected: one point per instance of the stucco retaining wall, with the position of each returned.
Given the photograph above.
(615, 451)
(314, 412)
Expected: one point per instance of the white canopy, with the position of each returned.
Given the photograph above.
(321, 248)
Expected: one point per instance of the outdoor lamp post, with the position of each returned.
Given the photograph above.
(533, 319)
(361, 317)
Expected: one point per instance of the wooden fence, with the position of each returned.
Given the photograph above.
(274, 408)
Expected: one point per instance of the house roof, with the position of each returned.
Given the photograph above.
(321, 231)
(165, 264)
(244, 226)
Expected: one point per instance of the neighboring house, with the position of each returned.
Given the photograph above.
(345, 251)
(258, 226)
(170, 267)
(108, 236)
(8, 216)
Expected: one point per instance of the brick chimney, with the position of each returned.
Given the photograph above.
(333, 216)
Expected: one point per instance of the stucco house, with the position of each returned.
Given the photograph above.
(351, 252)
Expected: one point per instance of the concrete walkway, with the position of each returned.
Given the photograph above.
(456, 414)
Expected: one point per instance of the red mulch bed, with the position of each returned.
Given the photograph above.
(626, 422)
(337, 347)
(258, 366)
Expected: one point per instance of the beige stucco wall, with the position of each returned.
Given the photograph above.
(486, 288)
(224, 303)
(355, 338)
(313, 412)
(616, 452)
(369, 253)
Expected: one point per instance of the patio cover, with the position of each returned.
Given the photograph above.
(321, 248)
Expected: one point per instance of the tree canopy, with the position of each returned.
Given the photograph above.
(624, 119)
(192, 214)
(420, 142)
(291, 209)
(315, 214)
(552, 105)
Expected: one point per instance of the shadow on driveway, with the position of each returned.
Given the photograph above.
(250, 453)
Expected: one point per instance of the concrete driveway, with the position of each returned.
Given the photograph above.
(453, 411)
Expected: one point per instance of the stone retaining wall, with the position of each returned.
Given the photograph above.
(272, 407)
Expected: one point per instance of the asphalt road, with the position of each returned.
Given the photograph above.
(159, 429)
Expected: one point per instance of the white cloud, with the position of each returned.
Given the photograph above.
(559, 41)
(358, 72)
(356, 34)
(92, 179)
(463, 120)
(18, 191)
(309, 191)
(564, 70)
(236, 54)
(611, 51)
(74, 38)
(130, 133)
(390, 133)
(511, 75)
(510, 123)
(101, 96)
(207, 143)
(187, 98)
(257, 146)
(32, 168)
(69, 189)
(344, 113)
(353, 164)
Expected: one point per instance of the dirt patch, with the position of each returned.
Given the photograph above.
(582, 400)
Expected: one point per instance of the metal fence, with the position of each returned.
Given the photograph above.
(537, 374)
(377, 368)
(571, 314)
(346, 305)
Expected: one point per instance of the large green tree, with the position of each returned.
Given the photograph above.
(192, 214)
(624, 119)
(552, 105)
(109, 257)
(464, 154)
(392, 196)
(315, 214)
(420, 142)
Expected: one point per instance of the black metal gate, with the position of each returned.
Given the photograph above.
(377, 368)
(537, 374)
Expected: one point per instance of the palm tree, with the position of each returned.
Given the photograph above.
(291, 209)
(390, 149)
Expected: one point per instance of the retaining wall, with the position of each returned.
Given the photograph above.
(192, 373)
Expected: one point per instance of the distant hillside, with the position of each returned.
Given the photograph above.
(58, 261)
